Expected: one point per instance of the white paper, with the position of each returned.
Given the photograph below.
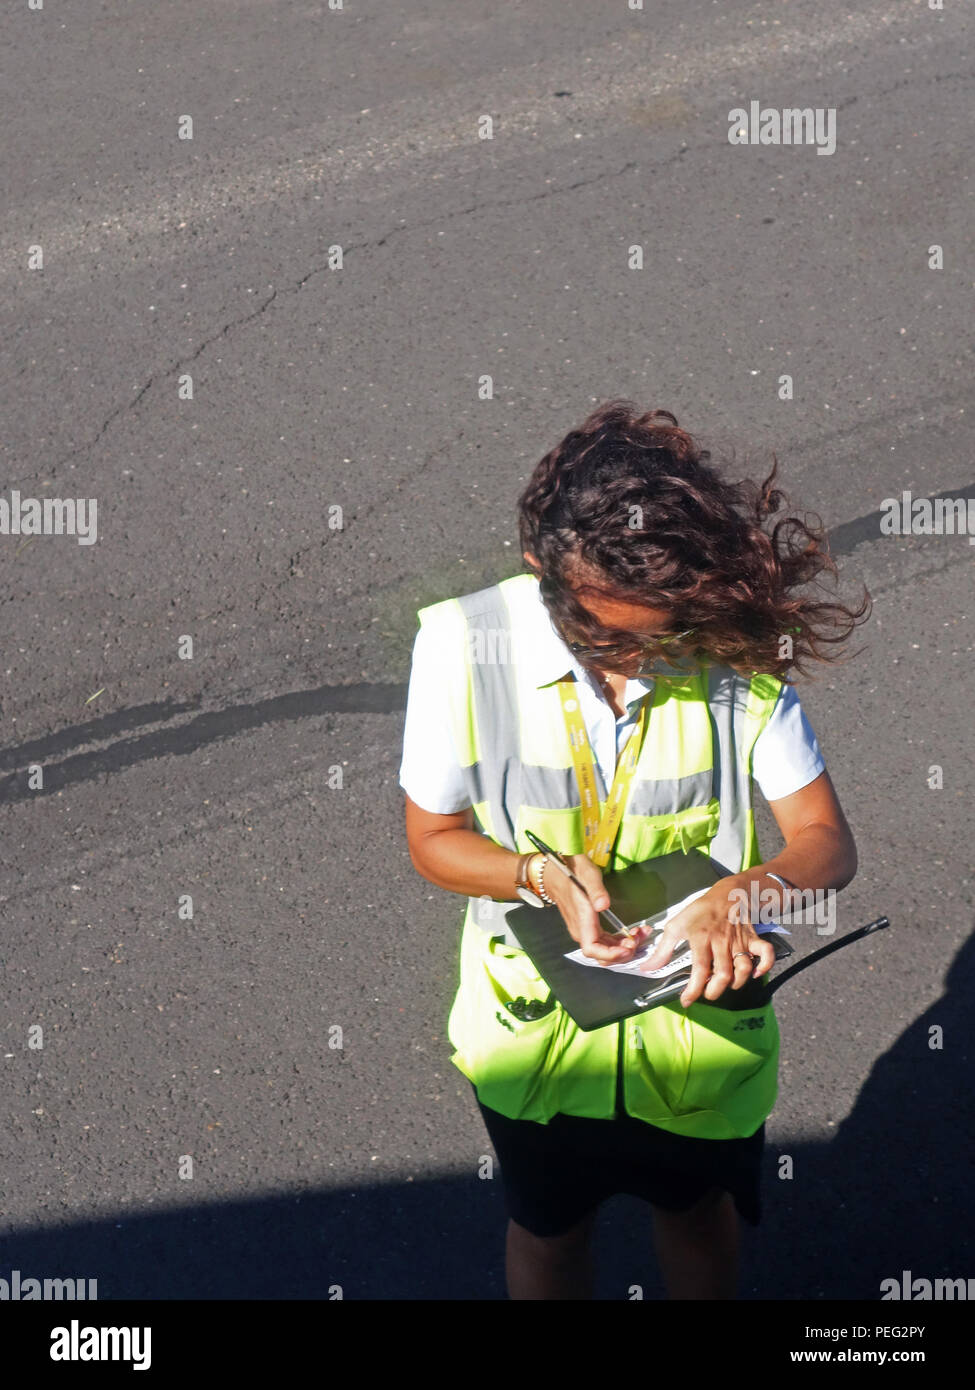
(679, 961)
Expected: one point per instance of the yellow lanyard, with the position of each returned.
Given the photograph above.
(599, 835)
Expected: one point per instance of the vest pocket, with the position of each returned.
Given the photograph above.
(714, 1064)
(644, 838)
(660, 1060)
(507, 1058)
(734, 1067)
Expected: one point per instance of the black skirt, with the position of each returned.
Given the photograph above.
(555, 1174)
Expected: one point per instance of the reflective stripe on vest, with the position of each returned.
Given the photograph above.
(691, 788)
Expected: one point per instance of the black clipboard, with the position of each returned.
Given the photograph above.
(593, 997)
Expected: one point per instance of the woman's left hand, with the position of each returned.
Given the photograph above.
(712, 928)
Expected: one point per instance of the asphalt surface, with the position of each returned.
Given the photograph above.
(316, 388)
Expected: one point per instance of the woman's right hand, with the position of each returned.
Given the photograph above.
(581, 914)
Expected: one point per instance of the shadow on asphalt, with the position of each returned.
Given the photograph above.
(892, 1191)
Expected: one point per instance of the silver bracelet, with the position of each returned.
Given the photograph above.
(787, 888)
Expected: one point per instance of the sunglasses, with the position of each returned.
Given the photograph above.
(646, 647)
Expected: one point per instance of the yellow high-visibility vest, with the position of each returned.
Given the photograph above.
(709, 1071)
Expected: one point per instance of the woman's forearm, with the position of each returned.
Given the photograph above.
(820, 856)
(467, 862)
(818, 859)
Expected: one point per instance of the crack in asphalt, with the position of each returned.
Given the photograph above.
(127, 406)
(234, 324)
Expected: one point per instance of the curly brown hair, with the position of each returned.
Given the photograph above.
(702, 547)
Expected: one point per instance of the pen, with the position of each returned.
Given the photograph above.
(620, 928)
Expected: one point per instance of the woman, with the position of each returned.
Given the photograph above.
(637, 671)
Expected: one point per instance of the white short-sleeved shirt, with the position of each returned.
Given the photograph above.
(785, 758)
